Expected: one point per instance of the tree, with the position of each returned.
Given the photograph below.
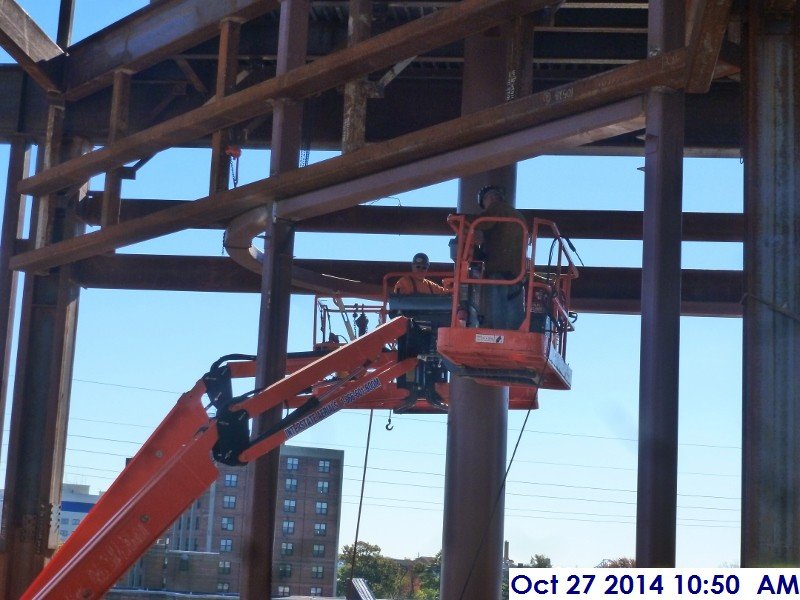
(618, 563)
(384, 575)
(540, 561)
(428, 574)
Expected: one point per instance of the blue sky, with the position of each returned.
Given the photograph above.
(571, 492)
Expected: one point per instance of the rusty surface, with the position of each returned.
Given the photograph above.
(771, 380)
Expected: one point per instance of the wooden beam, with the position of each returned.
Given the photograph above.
(519, 114)
(709, 24)
(148, 36)
(25, 41)
(421, 35)
(598, 289)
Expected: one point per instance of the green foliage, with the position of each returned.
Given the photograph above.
(618, 563)
(540, 561)
(384, 576)
(428, 575)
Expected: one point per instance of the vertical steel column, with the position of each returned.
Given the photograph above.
(18, 165)
(661, 296)
(227, 69)
(117, 128)
(40, 409)
(276, 279)
(359, 27)
(477, 423)
(771, 379)
(66, 17)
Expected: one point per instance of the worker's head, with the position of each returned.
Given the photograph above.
(420, 262)
(489, 194)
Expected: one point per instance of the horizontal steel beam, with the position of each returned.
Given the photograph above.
(149, 36)
(25, 41)
(410, 220)
(597, 290)
(442, 27)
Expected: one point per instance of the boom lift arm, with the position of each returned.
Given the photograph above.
(175, 464)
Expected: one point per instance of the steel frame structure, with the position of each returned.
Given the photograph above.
(599, 72)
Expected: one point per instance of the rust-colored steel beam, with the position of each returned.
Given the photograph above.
(771, 328)
(598, 290)
(118, 127)
(473, 128)
(227, 70)
(149, 36)
(25, 41)
(411, 220)
(416, 37)
(708, 31)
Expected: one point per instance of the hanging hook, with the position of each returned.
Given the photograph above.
(389, 425)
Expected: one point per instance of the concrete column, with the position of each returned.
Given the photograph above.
(771, 378)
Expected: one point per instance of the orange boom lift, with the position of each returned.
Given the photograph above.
(404, 360)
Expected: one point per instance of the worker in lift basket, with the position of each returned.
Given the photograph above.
(417, 283)
(501, 243)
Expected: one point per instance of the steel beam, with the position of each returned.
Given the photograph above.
(117, 128)
(771, 379)
(37, 440)
(708, 31)
(661, 305)
(13, 217)
(412, 220)
(227, 69)
(418, 36)
(25, 41)
(599, 289)
(149, 36)
(273, 327)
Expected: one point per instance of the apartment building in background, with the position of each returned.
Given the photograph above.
(201, 553)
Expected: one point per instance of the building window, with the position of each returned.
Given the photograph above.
(284, 591)
(292, 464)
(291, 484)
(229, 502)
(322, 487)
(224, 567)
(321, 508)
(288, 527)
(285, 570)
(227, 523)
(318, 550)
(75, 521)
(324, 466)
(183, 564)
(317, 572)
(231, 480)
(320, 528)
(290, 506)
(223, 586)
(65, 521)
(63, 533)
(315, 591)
(287, 549)
(225, 545)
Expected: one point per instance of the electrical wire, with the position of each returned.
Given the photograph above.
(361, 498)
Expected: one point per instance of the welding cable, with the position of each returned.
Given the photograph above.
(361, 497)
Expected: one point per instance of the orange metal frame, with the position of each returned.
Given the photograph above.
(174, 466)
